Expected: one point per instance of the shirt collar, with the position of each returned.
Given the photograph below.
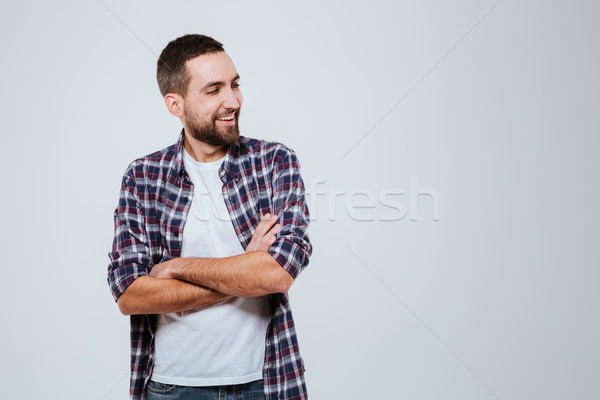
(230, 165)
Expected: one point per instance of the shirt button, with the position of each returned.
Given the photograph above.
(176, 234)
(186, 199)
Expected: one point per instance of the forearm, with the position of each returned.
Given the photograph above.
(246, 275)
(148, 295)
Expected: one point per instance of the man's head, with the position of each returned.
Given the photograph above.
(200, 86)
(171, 71)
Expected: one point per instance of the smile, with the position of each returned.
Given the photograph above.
(227, 118)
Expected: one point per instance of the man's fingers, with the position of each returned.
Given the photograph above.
(265, 224)
(270, 236)
(269, 218)
(275, 229)
(265, 233)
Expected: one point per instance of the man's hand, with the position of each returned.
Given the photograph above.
(264, 234)
(165, 269)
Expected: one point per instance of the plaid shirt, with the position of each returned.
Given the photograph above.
(258, 177)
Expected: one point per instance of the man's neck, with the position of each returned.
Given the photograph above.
(203, 152)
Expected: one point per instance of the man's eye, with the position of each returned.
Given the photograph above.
(235, 85)
(214, 91)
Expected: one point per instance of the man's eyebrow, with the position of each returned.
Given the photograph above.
(219, 83)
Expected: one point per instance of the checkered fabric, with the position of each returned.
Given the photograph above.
(258, 177)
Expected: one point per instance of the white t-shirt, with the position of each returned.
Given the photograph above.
(222, 344)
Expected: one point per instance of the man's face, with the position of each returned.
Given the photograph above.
(211, 107)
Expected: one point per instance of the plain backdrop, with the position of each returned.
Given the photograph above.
(492, 108)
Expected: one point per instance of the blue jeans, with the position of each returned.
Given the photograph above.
(245, 391)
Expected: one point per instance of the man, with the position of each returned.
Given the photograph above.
(210, 234)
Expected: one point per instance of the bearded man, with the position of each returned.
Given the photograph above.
(210, 234)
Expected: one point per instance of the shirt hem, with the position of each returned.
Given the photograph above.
(207, 381)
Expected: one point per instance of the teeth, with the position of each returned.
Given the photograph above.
(228, 118)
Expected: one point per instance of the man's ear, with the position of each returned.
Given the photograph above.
(174, 103)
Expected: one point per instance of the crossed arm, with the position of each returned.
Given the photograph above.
(182, 284)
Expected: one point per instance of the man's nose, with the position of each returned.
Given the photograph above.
(231, 101)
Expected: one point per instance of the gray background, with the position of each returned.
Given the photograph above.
(493, 106)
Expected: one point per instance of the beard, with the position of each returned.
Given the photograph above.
(209, 132)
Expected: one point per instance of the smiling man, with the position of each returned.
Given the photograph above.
(210, 233)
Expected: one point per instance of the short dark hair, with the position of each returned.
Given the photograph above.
(171, 72)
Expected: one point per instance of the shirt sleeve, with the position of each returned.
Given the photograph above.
(130, 255)
(292, 248)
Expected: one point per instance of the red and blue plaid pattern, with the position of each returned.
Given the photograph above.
(258, 177)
